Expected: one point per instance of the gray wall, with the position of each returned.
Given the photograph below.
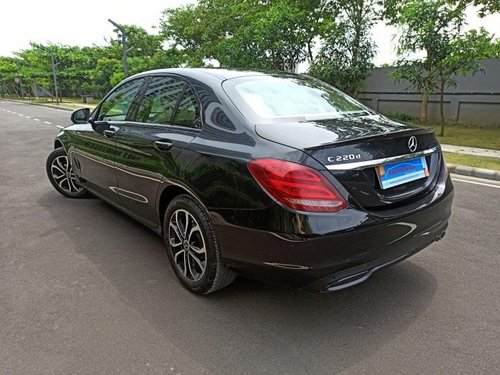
(475, 100)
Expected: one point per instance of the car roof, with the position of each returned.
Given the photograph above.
(222, 74)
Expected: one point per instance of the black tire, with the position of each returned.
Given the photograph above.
(61, 175)
(189, 271)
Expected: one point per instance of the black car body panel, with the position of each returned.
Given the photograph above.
(320, 133)
(316, 251)
(259, 237)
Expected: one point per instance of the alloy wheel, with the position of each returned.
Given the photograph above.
(63, 175)
(187, 245)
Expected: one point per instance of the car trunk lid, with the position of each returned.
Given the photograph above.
(351, 149)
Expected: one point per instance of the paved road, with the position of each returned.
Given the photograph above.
(85, 289)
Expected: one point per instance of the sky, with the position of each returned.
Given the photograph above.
(85, 23)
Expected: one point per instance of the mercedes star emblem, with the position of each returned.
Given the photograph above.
(412, 144)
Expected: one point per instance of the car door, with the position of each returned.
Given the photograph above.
(94, 156)
(167, 118)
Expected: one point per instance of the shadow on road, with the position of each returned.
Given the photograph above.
(249, 327)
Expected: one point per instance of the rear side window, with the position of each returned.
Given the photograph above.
(116, 106)
(188, 112)
(160, 100)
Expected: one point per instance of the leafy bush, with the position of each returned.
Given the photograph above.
(401, 117)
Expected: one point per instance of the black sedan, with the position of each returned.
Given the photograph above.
(274, 176)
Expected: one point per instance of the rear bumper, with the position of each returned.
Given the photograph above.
(355, 275)
(332, 261)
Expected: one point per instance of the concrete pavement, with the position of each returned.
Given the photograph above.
(475, 151)
(474, 172)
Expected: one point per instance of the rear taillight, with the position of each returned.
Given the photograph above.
(296, 186)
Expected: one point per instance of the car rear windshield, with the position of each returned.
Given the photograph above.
(293, 98)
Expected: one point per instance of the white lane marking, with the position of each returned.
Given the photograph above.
(476, 183)
(33, 118)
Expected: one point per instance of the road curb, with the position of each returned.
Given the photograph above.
(473, 151)
(38, 104)
(474, 172)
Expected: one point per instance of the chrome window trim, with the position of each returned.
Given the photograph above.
(374, 163)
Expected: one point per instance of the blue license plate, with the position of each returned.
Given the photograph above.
(397, 173)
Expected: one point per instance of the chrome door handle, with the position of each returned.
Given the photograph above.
(108, 133)
(164, 145)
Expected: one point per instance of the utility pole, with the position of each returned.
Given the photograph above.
(54, 76)
(124, 45)
(54, 72)
(18, 81)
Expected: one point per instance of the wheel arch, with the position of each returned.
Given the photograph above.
(58, 143)
(167, 195)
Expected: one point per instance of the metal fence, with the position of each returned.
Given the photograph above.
(475, 100)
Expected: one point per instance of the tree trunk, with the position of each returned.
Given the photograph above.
(441, 108)
(309, 52)
(423, 108)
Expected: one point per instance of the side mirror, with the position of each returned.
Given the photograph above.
(80, 116)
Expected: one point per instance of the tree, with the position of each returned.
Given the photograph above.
(33, 67)
(146, 53)
(485, 7)
(85, 70)
(463, 58)
(427, 26)
(8, 73)
(181, 26)
(278, 34)
(345, 58)
(435, 27)
(247, 34)
(284, 31)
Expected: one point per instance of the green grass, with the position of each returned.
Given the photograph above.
(74, 105)
(472, 161)
(470, 136)
(459, 134)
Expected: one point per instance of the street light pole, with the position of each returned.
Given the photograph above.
(54, 73)
(124, 45)
(54, 76)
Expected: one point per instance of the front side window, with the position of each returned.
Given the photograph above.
(267, 98)
(116, 106)
(160, 100)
